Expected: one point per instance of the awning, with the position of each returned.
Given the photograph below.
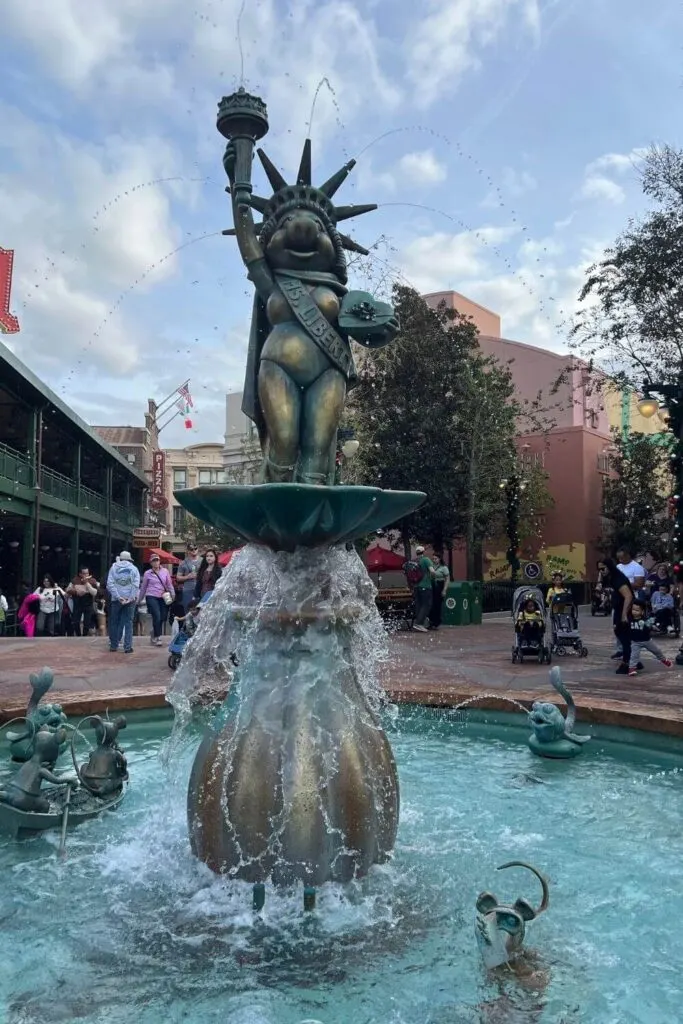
(382, 560)
(164, 556)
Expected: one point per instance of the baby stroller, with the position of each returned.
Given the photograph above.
(177, 644)
(601, 600)
(524, 646)
(564, 622)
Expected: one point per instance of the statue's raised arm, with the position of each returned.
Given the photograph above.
(299, 364)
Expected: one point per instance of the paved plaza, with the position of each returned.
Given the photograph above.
(435, 668)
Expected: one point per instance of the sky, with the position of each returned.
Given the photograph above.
(501, 139)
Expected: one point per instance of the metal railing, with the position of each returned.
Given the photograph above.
(92, 501)
(15, 467)
(58, 486)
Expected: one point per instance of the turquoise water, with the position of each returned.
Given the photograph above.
(129, 928)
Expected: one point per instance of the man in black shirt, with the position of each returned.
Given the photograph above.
(622, 599)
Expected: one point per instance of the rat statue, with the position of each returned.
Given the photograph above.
(299, 362)
(106, 769)
(40, 716)
(23, 791)
(552, 735)
(500, 929)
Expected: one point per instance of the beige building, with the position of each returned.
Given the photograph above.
(195, 466)
(241, 451)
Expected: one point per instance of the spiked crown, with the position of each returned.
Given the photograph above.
(303, 194)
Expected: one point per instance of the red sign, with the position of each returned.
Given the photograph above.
(158, 498)
(8, 322)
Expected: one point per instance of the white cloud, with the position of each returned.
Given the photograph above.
(512, 183)
(599, 175)
(446, 42)
(597, 186)
(435, 262)
(421, 168)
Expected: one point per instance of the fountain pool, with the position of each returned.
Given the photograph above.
(130, 927)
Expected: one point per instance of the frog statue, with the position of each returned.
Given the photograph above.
(500, 929)
(299, 363)
(48, 717)
(552, 735)
(106, 769)
(23, 791)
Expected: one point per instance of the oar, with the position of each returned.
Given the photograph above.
(65, 820)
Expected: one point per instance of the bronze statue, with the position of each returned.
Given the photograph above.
(299, 364)
(106, 769)
(38, 716)
(23, 791)
(499, 928)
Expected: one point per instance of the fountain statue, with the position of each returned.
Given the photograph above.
(500, 929)
(294, 780)
(40, 716)
(552, 735)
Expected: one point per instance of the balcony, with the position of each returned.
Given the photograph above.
(15, 467)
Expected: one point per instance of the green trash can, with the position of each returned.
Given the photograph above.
(476, 598)
(456, 605)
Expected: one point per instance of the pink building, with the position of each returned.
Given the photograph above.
(573, 451)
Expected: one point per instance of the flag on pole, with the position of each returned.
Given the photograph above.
(184, 392)
(184, 409)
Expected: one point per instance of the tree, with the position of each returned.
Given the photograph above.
(209, 536)
(631, 326)
(535, 501)
(432, 413)
(634, 500)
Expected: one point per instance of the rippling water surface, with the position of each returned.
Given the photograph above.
(129, 928)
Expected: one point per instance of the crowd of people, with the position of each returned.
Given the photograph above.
(642, 605)
(428, 579)
(124, 605)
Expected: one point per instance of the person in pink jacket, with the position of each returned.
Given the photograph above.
(28, 614)
(157, 591)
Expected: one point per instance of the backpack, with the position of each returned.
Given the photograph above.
(413, 573)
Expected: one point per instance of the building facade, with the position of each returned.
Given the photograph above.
(573, 448)
(241, 451)
(197, 465)
(67, 499)
(135, 444)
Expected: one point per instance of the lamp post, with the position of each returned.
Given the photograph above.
(513, 486)
(648, 406)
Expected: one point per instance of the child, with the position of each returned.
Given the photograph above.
(639, 591)
(641, 639)
(663, 607)
(189, 621)
(530, 622)
(556, 587)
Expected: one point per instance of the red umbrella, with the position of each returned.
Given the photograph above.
(382, 560)
(224, 559)
(164, 556)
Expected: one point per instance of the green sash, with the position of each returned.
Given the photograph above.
(319, 329)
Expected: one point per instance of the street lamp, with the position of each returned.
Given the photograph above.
(648, 406)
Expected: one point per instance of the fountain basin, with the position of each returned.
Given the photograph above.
(132, 903)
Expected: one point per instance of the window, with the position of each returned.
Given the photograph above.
(211, 476)
(179, 479)
(179, 519)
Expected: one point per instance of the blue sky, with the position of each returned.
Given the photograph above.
(521, 123)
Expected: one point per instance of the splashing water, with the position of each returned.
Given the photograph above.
(323, 81)
(294, 779)
(239, 39)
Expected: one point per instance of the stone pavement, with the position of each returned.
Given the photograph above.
(440, 668)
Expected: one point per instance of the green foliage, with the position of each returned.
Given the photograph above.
(535, 501)
(433, 413)
(635, 500)
(632, 328)
(209, 536)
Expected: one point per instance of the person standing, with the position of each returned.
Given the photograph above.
(123, 587)
(187, 574)
(622, 599)
(157, 591)
(440, 583)
(4, 608)
(631, 570)
(83, 590)
(423, 590)
(208, 574)
(49, 614)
